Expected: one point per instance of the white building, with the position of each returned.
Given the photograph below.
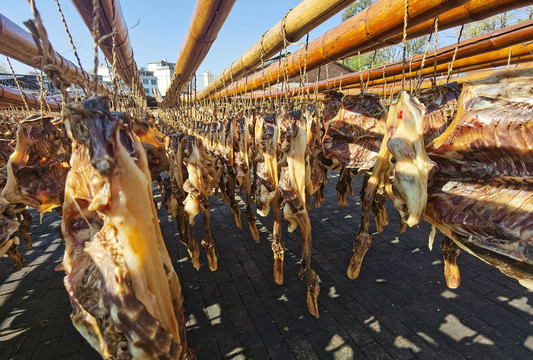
(208, 78)
(149, 81)
(163, 71)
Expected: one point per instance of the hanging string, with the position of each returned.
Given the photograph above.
(72, 44)
(404, 42)
(509, 58)
(450, 65)
(434, 82)
(96, 37)
(370, 71)
(305, 79)
(114, 52)
(42, 92)
(22, 94)
(418, 81)
(286, 62)
(384, 78)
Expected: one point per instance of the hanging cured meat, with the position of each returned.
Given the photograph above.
(441, 107)
(38, 167)
(402, 166)
(8, 227)
(481, 194)
(243, 153)
(175, 196)
(292, 187)
(125, 295)
(201, 178)
(153, 142)
(354, 135)
(267, 184)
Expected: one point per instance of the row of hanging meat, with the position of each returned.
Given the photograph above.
(461, 160)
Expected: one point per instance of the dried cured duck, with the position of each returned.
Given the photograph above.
(267, 135)
(292, 187)
(125, 295)
(38, 167)
(316, 173)
(175, 196)
(353, 137)
(243, 153)
(154, 144)
(198, 186)
(481, 194)
(402, 167)
(441, 107)
(8, 227)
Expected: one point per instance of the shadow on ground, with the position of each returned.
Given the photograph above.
(398, 308)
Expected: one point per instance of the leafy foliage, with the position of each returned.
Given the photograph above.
(382, 56)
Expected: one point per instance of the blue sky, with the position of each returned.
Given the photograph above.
(157, 29)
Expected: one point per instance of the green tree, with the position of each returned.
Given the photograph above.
(385, 55)
(497, 22)
(356, 7)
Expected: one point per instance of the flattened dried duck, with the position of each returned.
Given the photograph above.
(441, 107)
(38, 167)
(292, 187)
(243, 154)
(199, 186)
(8, 227)
(402, 166)
(481, 194)
(125, 295)
(267, 184)
(151, 140)
(175, 196)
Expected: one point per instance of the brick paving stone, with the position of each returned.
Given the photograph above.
(239, 312)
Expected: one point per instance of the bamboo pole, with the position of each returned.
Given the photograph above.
(472, 11)
(426, 84)
(207, 20)
(11, 96)
(18, 44)
(519, 54)
(297, 22)
(496, 42)
(365, 30)
(126, 66)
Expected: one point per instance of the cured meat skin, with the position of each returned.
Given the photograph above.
(8, 227)
(405, 178)
(292, 188)
(201, 176)
(38, 167)
(441, 107)
(353, 137)
(267, 185)
(481, 193)
(175, 195)
(125, 295)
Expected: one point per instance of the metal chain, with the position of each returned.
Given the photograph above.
(450, 65)
(22, 94)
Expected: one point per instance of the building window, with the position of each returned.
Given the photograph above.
(147, 91)
(154, 82)
(145, 82)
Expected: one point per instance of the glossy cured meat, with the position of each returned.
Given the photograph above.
(125, 295)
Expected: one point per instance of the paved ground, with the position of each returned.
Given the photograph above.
(398, 308)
